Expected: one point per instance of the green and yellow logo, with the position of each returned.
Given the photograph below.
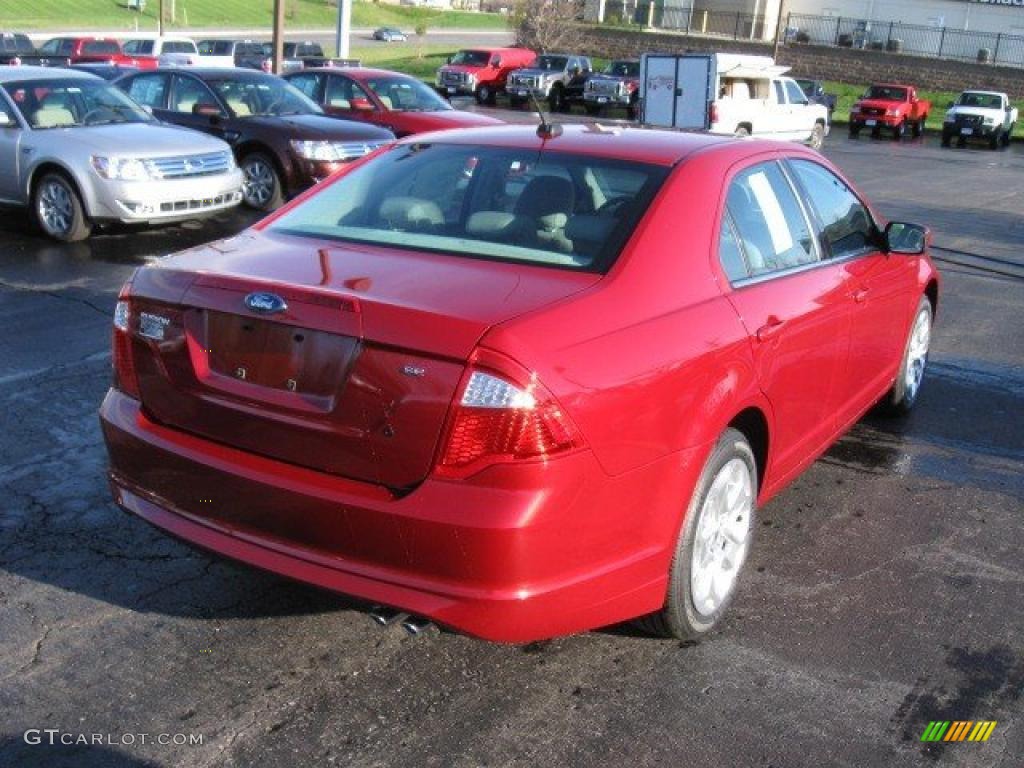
(958, 730)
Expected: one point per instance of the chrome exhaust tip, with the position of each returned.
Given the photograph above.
(385, 617)
(416, 625)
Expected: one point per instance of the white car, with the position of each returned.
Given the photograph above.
(170, 51)
(727, 93)
(986, 115)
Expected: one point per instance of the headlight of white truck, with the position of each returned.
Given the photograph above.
(121, 168)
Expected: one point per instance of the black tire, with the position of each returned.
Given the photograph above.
(946, 139)
(854, 131)
(900, 130)
(995, 139)
(633, 108)
(261, 185)
(514, 102)
(918, 127)
(961, 142)
(1008, 134)
(679, 617)
(58, 208)
(556, 99)
(902, 397)
(741, 132)
(485, 94)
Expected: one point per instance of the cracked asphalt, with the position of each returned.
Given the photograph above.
(883, 591)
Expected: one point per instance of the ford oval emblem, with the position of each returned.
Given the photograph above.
(265, 303)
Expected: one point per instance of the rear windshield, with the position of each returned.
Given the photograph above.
(623, 69)
(549, 208)
(886, 93)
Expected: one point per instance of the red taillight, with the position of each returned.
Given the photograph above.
(713, 113)
(15, 62)
(125, 378)
(503, 414)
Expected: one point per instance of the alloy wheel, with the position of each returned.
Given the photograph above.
(258, 182)
(56, 212)
(917, 354)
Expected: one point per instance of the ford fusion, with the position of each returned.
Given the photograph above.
(520, 383)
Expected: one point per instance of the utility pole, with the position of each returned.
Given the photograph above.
(160, 19)
(278, 35)
(344, 28)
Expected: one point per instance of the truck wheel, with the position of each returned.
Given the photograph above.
(631, 109)
(919, 127)
(854, 131)
(946, 139)
(995, 139)
(741, 132)
(556, 99)
(817, 139)
(1008, 135)
(485, 95)
(713, 543)
(59, 210)
(899, 131)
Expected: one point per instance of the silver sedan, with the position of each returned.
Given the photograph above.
(78, 152)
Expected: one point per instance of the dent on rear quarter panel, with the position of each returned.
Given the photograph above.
(654, 359)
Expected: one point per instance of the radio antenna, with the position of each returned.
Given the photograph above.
(546, 129)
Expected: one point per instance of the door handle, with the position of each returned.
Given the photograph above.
(860, 295)
(771, 327)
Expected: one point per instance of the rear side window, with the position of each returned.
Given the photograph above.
(771, 225)
(845, 221)
(729, 252)
(179, 46)
(307, 82)
(100, 48)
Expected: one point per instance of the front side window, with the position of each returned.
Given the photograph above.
(796, 96)
(780, 96)
(189, 93)
(263, 95)
(150, 90)
(846, 223)
(551, 63)
(341, 92)
(308, 83)
(471, 58)
(551, 208)
(771, 225)
(65, 103)
(101, 48)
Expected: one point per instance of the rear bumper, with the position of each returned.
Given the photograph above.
(603, 99)
(513, 555)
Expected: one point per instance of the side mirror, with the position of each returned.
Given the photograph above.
(361, 104)
(908, 239)
(207, 110)
(1007, 108)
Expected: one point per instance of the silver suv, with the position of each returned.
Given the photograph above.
(556, 77)
(79, 152)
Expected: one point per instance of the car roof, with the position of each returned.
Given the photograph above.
(220, 73)
(356, 73)
(643, 145)
(21, 74)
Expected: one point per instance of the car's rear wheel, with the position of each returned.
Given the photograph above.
(261, 184)
(903, 395)
(58, 209)
(713, 543)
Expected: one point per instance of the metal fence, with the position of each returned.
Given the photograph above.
(897, 37)
(664, 14)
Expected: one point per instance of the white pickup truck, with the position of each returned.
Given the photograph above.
(728, 93)
(985, 115)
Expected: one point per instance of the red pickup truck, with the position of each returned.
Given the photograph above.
(892, 106)
(81, 50)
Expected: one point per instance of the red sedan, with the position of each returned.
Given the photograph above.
(402, 104)
(520, 384)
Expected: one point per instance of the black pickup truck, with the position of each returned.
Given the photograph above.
(16, 49)
(814, 90)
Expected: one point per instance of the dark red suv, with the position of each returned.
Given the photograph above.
(283, 141)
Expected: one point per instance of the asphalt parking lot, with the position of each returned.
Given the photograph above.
(883, 592)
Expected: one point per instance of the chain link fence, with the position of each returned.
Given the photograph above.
(897, 37)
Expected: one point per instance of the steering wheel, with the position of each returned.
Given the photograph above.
(613, 205)
(86, 118)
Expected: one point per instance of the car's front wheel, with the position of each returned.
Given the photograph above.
(261, 184)
(485, 95)
(817, 140)
(58, 209)
(713, 543)
(903, 396)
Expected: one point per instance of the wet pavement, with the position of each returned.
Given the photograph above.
(883, 592)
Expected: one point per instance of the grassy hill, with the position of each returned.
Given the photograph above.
(113, 14)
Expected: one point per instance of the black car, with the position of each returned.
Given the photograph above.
(283, 141)
(814, 90)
